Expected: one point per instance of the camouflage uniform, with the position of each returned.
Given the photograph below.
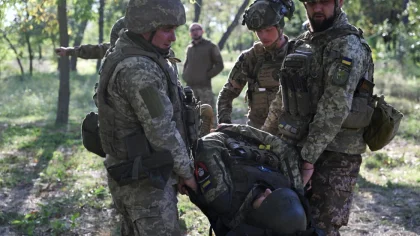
(234, 181)
(89, 51)
(258, 66)
(318, 110)
(262, 84)
(144, 95)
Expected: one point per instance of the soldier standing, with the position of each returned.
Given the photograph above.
(323, 107)
(258, 66)
(141, 125)
(202, 62)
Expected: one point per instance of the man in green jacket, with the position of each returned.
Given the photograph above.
(203, 62)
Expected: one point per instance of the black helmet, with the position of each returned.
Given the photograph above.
(281, 212)
(264, 13)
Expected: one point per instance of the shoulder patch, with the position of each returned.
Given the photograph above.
(153, 102)
(341, 75)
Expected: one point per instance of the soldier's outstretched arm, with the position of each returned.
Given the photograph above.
(341, 78)
(142, 85)
(85, 51)
(231, 90)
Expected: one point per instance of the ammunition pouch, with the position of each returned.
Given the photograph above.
(90, 134)
(294, 75)
(142, 163)
(362, 106)
(383, 125)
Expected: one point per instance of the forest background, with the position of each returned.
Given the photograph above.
(50, 185)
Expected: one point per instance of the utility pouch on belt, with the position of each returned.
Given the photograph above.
(362, 106)
(142, 163)
(90, 134)
(383, 125)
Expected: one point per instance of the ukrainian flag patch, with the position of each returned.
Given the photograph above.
(346, 61)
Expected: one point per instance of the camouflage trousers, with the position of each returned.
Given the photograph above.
(205, 95)
(332, 190)
(145, 209)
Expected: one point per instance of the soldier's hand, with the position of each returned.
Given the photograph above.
(61, 51)
(190, 183)
(306, 171)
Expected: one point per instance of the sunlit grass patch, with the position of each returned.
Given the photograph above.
(192, 220)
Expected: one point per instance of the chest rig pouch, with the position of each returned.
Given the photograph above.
(263, 88)
(295, 72)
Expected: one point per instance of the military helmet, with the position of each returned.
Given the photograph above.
(265, 13)
(281, 211)
(144, 16)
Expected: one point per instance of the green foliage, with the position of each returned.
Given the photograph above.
(382, 160)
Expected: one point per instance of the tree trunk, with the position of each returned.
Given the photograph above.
(31, 56)
(232, 26)
(77, 41)
(101, 27)
(64, 90)
(39, 52)
(197, 10)
(17, 55)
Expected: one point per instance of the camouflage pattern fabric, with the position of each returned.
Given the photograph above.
(89, 51)
(139, 92)
(205, 95)
(115, 31)
(334, 150)
(148, 15)
(332, 190)
(332, 94)
(98, 51)
(132, 76)
(243, 73)
(287, 153)
(146, 210)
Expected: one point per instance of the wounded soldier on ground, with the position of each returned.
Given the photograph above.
(248, 185)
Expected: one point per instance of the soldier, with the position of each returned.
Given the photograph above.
(324, 106)
(202, 62)
(258, 65)
(89, 51)
(142, 130)
(245, 177)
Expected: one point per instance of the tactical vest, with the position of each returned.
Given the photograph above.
(262, 85)
(302, 85)
(111, 120)
(229, 179)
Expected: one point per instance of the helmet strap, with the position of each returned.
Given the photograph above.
(151, 36)
(273, 46)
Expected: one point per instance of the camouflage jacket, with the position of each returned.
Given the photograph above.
(139, 91)
(337, 65)
(253, 66)
(89, 51)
